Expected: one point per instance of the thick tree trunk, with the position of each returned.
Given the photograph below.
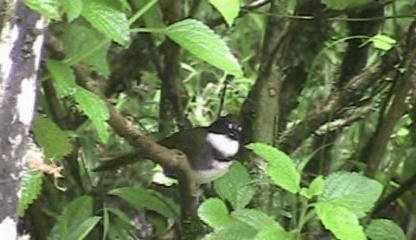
(20, 47)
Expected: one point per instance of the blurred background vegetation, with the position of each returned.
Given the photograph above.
(330, 83)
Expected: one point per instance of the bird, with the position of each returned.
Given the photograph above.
(209, 150)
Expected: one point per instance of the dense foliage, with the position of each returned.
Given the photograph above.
(326, 92)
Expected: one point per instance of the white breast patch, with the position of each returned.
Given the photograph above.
(227, 146)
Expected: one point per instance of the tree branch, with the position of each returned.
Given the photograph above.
(168, 158)
(337, 103)
(377, 145)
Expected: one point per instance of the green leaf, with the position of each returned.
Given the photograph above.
(48, 8)
(256, 219)
(315, 189)
(78, 210)
(214, 213)
(141, 198)
(341, 5)
(31, 187)
(353, 191)
(72, 8)
(107, 20)
(201, 41)
(84, 228)
(235, 186)
(54, 142)
(233, 230)
(340, 221)
(63, 76)
(272, 233)
(384, 229)
(229, 9)
(96, 110)
(383, 42)
(281, 167)
(80, 41)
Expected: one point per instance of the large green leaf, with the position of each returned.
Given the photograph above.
(92, 105)
(352, 191)
(107, 20)
(228, 8)
(384, 229)
(74, 213)
(48, 8)
(234, 230)
(340, 221)
(72, 8)
(31, 187)
(96, 110)
(63, 76)
(201, 41)
(84, 228)
(256, 219)
(272, 233)
(141, 198)
(281, 167)
(80, 41)
(315, 189)
(214, 213)
(54, 142)
(236, 186)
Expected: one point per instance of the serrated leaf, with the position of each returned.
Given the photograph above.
(107, 20)
(256, 219)
(141, 198)
(84, 228)
(54, 142)
(75, 212)
(229, 9)
(272, 233)
(96, 110)
(31, 187)
(79, 41)
(72, 8)
(384, 229)
(214, 213)
(233, 230)
(341, 5)
(383, 42)
(201, 41)
(48, 8)
(315, 189)
(281, 167)
(63, 76)
(235, 186)
(353, 191)
(340, 221)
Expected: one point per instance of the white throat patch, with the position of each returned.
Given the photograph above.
(227, 146)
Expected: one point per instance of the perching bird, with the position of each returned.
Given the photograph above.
(209, 150)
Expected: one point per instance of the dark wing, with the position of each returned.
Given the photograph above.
(186, 141)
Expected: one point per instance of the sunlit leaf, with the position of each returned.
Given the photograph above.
(229, 9)
(201, 41)
(236, 186)
(281, 168)
(340, 221)
(384, 229)
(214, 213)
(353, 191)
(107, 20)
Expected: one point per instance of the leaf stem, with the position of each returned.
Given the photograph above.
(142, 11)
